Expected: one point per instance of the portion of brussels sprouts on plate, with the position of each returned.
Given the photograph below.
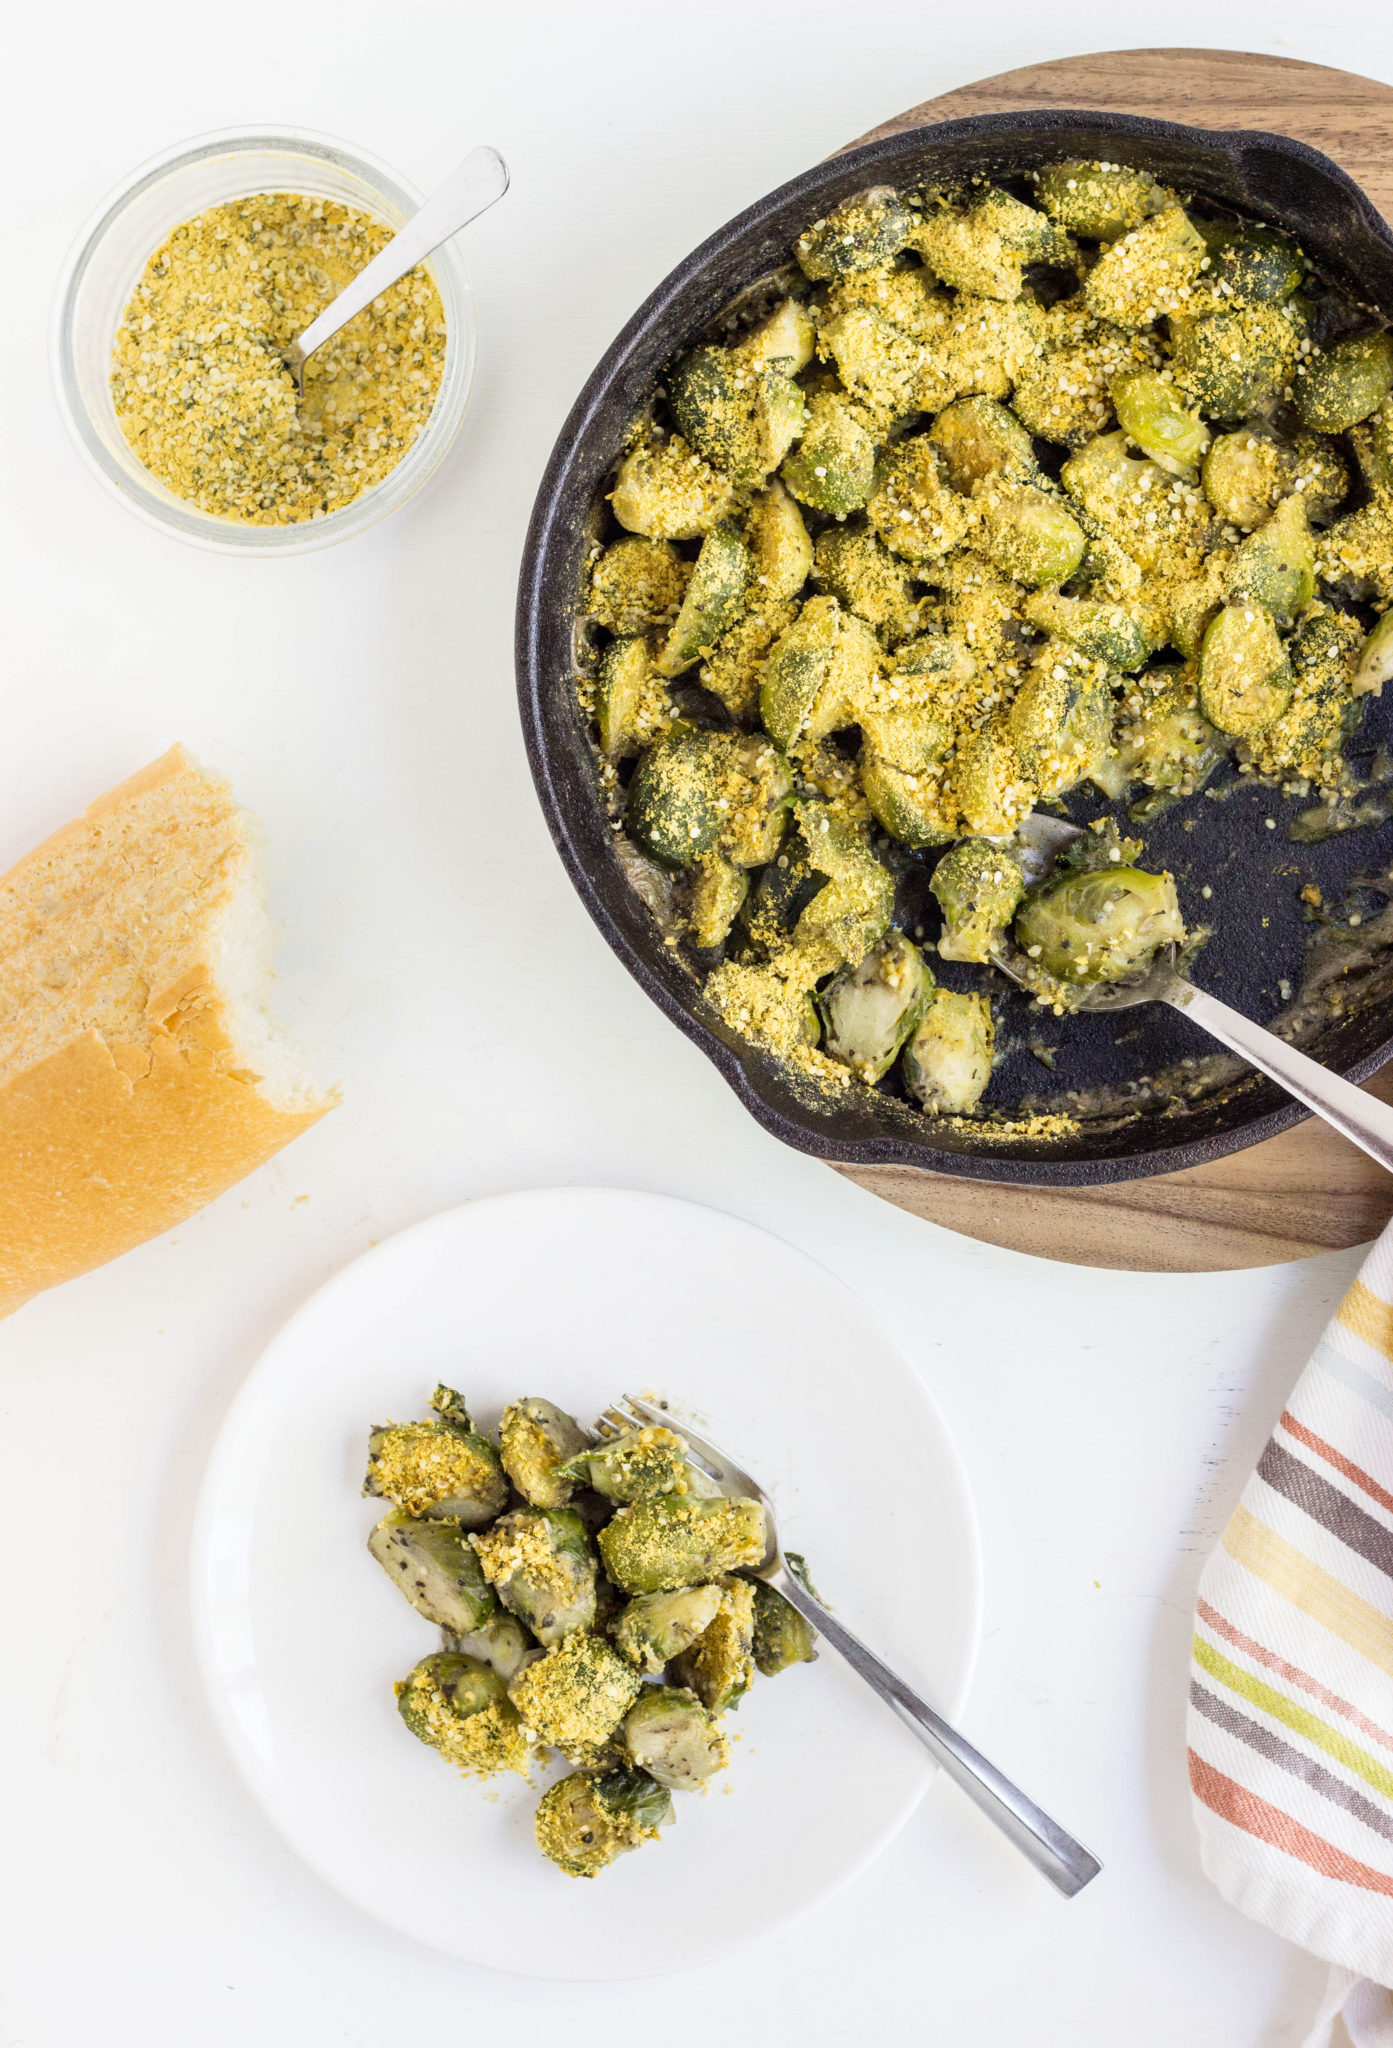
(606, 1608)
(1068, 489)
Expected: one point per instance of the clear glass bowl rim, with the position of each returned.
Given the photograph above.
(203, 529)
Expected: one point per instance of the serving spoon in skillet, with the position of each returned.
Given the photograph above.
(1362, 1119)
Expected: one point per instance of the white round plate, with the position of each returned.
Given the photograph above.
(579, 1294)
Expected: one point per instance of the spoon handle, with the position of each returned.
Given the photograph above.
(469, 191)
(1361, 1118)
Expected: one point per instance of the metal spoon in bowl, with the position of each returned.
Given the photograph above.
(1362, 1119)
(469, 191)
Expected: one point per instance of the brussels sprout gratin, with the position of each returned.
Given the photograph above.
(594, 1598)
(994, 498)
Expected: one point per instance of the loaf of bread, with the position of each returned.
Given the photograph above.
(140, 1074)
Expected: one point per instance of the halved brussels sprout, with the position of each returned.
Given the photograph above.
(1163, 738)
(1099, 925)
(584, 1821)
(1029, 535)
(659, 1545)
(881, 366)
(1147, 272)
(753, 794)
(833, 467)
(742, 416)
(443, 1470)
(1356, 555)
(979, 438)
(1151, 414)
(1305, 739)
(668, 492)
(672, 807)
(670, 1734)
(632, 705)
(905, 802)
(845, 919)
(1246, 473)
(715, 597)
(634, 1466)
(461, 1707)
(985, 249)
(1245, 679)
(866, 579)
(990, 783)
(1338, 387)
(1060, 720)
(718, 892)
(540, 1563)
(1253, 265)
(870, 1010)
(536, 1437)
(502, 1643)
(1158, 519)
(637, 584)
(782, 1637)
(948, 1061)
(656, 1627)
(719, 1666)
(781, 554)
(1110, 633)
(785, 340)
(1375, 660)
(575, 1697)
(1276, 566)
(433, 1566)
(1372, 441)
(978, 887)
(1235, 365)
(863, 231)
(1098, 200)
(913, 508)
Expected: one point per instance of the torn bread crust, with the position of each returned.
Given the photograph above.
(139, 1074)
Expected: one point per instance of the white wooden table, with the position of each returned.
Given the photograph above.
(486, 1039)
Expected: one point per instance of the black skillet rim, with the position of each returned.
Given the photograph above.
(1271, 176)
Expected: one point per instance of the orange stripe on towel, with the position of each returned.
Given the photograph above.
(1244, 1809)
(1336, 1459)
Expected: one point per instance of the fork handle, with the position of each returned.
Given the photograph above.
(1361, 1118)
(1065, 1862)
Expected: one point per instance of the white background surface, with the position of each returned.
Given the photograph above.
(486, 1039)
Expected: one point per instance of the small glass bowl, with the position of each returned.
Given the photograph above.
(111, 253)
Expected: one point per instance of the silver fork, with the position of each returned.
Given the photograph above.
(1065, 1862)
(1362, 1119)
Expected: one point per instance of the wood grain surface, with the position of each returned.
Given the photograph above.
(1308, 1191)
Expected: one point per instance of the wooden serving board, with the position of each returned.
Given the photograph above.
(1307, 1191)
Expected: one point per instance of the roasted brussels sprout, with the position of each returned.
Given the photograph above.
(1372, 441)
(833, 467)
(632, 705)
(860, 233)
(1375, 666)
(1147, 272)
(432, 1564)
(659, 1545)
(1249, 471)
(536, 1437)
(978, 438)
(1253, 265)
(720, 1665)
(948, 1060)
(1276, 566)
(655, 1627)
(785, 340)
(1245, 679)
(865, 578)
(845, 919)
(461, 1707)
(914, 509)
(1152, 416)
(985, 249)
(1305, 739)
(1159, 520)
(1060, 720)
(715, 596)
(718, 893)
(672, 1736)
(781, 554)
(1110, 633)
(575, 1697)
(782, 1637)
(540, 1563)
(634, 1466)
(699, 790)
(1100, 201)
(584, 1821)
(870, 1010)
(905, 802)
(742, 416)
(502, 1643)
(666, 491)
(1236, 365)
(1163, 738)
(990, 783)
(1337, 388)
(443, 1470)
(1099, 925)
(978, 887)
(637, 585)
(1029, 535)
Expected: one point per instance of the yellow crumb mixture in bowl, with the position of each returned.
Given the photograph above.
(168, 333)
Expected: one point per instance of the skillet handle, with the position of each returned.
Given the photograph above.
(1362, 1119)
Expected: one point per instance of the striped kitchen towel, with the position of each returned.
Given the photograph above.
(1291, 1684)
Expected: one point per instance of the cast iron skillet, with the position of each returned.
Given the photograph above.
(1261, 936)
